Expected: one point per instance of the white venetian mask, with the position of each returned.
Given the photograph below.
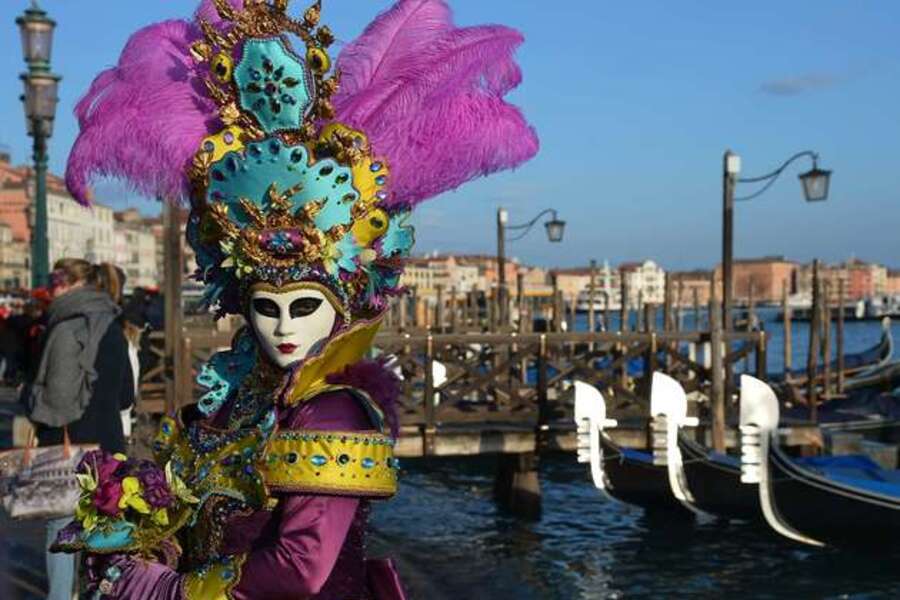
(290, 324)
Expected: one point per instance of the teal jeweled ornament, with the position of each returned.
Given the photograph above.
(399, 238)
(270, 162)
(318, 460)
(368, 463)
(274, 85)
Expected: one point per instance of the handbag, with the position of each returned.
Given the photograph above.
(40, 483)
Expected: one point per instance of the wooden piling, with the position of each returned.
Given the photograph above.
(592, 291)
(667, 303)
(623, 308)
(840, 338)
(826, 339)
(173, 270)
(607, 324)
(788, 331)
(639, 312)
(717, 374)
(520, 301)
(812, 356)
(696, 294)
(454, 319)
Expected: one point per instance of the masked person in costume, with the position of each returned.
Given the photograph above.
(300, 177)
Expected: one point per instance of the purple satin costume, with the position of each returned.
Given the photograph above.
(310, 546)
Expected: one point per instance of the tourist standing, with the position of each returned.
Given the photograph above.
(82, 382)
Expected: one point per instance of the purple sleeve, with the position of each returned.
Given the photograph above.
(313, 527)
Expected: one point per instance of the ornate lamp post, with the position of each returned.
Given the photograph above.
(40, 101)
(555, 229)
(815, 183)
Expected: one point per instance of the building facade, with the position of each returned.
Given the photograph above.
(692, 286)
(136, 250)
(429, 273)
(860, 280)
(15, 267)
(645, 282)
(764, 279)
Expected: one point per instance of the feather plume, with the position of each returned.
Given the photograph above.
(430, 97)
(143, 120)
(207, 12)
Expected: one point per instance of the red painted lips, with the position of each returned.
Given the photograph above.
(287, 348)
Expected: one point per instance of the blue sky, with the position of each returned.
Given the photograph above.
(634, 103)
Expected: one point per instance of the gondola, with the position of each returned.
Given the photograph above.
(856, 363)
(830, 500)
(625, 474)
(705, 481)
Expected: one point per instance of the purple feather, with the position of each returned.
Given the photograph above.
(428, 94)
(430, 98)
(143, 120)
(372, 377)
(207, 11)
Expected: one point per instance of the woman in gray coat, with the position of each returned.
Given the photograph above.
(83, 382)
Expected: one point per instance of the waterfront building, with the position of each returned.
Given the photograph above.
(574, 283)
(892, 283)
(766, 277)
(428, 273)
(155, 226)
(73, 230)
(686, 283)
(136, 249)
(861, 280)
(645, 281)
(15, 264)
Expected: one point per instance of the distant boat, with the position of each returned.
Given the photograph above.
(583, 301)
(855, 363)
(830, 500)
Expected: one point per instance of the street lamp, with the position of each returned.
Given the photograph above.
(555, 229)
(40, 99)
(815, 183)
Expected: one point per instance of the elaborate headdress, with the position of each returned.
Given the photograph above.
(297, 171)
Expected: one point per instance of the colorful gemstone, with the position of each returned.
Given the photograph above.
(291, 457)
(368, 463)
(381, 180)
(343, 459)
(376, 166)
(318, 460)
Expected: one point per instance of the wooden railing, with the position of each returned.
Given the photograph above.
(504, 378)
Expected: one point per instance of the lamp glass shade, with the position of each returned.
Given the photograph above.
(36, 30)
(555, 230)
(815, 184)
(41, 95)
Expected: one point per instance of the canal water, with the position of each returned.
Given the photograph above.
(452, 542)
(858, 335)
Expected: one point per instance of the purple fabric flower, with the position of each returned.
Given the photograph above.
(103, 464)
(106, 498)
(156, 489)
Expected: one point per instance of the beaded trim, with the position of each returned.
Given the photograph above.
(332, 462)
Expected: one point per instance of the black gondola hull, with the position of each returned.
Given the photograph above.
(638, 482)
(830, 512)
(716, 487)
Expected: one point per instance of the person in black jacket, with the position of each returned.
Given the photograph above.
(83, 381)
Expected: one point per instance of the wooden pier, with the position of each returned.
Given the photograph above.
(480, 380)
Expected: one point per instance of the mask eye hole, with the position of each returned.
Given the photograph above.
(266, 308)
(303, 307)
